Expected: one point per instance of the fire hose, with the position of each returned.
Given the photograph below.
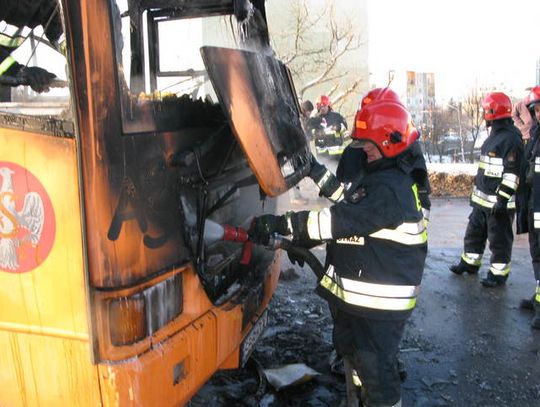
(214, 231)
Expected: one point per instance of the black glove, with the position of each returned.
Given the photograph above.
(425, 202)
(264, 226)
(37, 78)
(294, 258)
(317, 170)
(500, 207)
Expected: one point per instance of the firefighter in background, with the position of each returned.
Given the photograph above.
(376, 249)
(492, 198)
(329, 118)
(528, 201)
(20, 14)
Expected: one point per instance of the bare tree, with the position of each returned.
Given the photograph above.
(313, 47)
(441, 124)
(472, 107)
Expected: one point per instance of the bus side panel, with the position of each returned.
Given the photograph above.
(42, 286)
(154, 380)
(40, 370)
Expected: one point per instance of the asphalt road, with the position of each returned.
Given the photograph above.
(465, 345)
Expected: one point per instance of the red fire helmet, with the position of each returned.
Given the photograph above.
(388, 125)
(323, 101)
(378, 94)
(496, 106)
(533, 98)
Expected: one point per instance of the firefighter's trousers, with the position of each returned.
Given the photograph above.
(373, 346)
(497, 229)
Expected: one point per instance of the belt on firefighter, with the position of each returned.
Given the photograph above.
(492, 166)
(319, 227)
(370, 295)
(487, 201)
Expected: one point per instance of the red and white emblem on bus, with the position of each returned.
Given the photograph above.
(27, 224)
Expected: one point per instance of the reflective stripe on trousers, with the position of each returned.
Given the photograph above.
(369, 295)
(500, 269)
(474, 259)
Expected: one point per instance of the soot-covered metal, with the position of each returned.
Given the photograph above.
(258, 97)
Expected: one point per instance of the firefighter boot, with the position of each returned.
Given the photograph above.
(463, 267)
(535, 323)
(527, 303)
(492, 281)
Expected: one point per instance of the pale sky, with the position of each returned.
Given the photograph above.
(494, 42)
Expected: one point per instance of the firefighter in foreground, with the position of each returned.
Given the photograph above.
(27, 13)
(377, 245)
(492, 198)
(528, 201)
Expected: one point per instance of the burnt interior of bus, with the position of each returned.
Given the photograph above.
(213, 178)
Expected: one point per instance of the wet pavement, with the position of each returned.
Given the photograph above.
(465, 345)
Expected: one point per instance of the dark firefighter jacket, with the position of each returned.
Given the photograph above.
(528, 195)
(497, 177)
(333, 119)
(353, 161)
(377, 244)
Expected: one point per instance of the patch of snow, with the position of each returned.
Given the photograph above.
(453, 168)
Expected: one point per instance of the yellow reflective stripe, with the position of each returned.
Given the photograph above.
(6, 64)
(416, 197)
(379, 290)
(319, 224)
(510, 180)
(10, 42)
(504, 194)
(324, 178)
(537, 297)
(367, 301)
(500, 269)
(337, 196)
(488, 201)
(406, 233)
(491, 160)
(474, 259)
(536, 216)
(492, 166)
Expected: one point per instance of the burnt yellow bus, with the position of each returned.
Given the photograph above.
(166, 114)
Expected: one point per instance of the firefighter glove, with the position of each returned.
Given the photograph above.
(264, 226)
(37, 78)
(500, 208)
(423, 197)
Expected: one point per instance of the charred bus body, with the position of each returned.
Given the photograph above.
(110, 293)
